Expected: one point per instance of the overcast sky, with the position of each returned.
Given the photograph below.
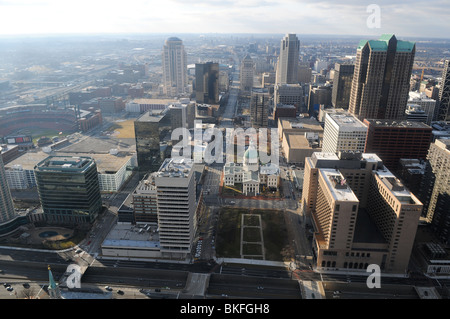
(409, 18)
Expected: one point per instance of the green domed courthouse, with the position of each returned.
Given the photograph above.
(251, 174)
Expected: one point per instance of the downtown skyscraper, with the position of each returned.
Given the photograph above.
(287, 66)
(443, 111)
(6, 203)
(381, 78)
(174, 64)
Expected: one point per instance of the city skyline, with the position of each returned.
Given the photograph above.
(29, 17)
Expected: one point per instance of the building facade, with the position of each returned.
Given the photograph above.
(247, 72)
(361, 213)
(342, 85)
(176, 198)
(259, 107)
(381, 78)
(394, 140)
(6, 203)
(343, 132)
(443, 112)
(68, 189)
(174, 64)
(207, 83)
(288, 60)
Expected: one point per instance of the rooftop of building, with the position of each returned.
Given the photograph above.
(346, 121)
(154, 101)
(382, 44)
(299, 141)
(338, 185)
(151, 116)
(396, 187)
(175, 167)
(396, 123)
(65, 163)
(300, 123)
(106, 163)
(128, 235)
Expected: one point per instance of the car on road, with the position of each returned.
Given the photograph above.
(120, 292)
(10, 288)
(108, 288)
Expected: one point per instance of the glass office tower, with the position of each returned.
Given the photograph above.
(69, 189)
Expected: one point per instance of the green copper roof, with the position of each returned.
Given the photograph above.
(405, 46)
(382, 44)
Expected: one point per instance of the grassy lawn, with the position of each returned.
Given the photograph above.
(251, 249)
(252, 234)
(123, 129)
(229, 232)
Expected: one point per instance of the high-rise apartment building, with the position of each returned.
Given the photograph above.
(342, 85)
(152, 132)
(288, 60)
(6, 203)
(176, 198)
(247, 72)
(361, 213)
(68, 189)
(394, 140)
(343, 132)
(437, 188)
(259, 107)
(443, 113)
(381, 78)
(174, 65)
(207, 83)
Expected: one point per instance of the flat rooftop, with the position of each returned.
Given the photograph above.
(347, 121)
(151, 116)
(68, 163)
(127, 235)
(175, 167)
(105, 162)
(340, 191)
(400, 124)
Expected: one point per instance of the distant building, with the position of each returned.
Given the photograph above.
(247, 71)
(342, 85)
(381, 78)
(207, 83)
(6, 203)
(443, 113)
(393, 140)
(259, 107)
(151, 133)
(287, 66)
(427, 105)
(75, 201)
(288, 94)
(174, 63)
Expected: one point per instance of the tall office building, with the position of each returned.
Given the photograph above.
(259, 107)
(247, 72)
(394, 140)
(343, 132)
(342, 85)
(68, 189)
(381, 78)
(427, 105)
(289, 94)
(361, 213)
(6, 203)
(443, 113)
(152, 133)
(207, 83)
(174, 64)
(288, 60)
(436, 185)
(176, 199)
